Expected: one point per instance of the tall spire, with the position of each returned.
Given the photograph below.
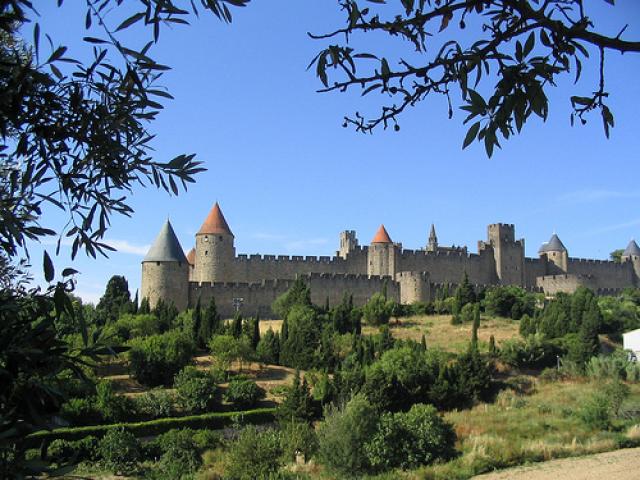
(433, 239)
(215, 223)
(381, 236)
(166, 247)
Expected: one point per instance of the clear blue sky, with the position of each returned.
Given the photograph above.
(289, 178)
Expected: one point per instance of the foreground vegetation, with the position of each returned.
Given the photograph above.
(447, 389)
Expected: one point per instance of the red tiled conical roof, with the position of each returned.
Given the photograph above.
(381, 236)
(191, 256)
(215, 222)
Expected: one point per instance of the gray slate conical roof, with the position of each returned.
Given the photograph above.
(632, 249)
(553, 245)
(166, 247)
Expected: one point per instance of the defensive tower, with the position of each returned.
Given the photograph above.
(348, 243)
(632, 254)
(215, 251)
(556, 256)
(381, 259)
(165, 271)
(508, 253)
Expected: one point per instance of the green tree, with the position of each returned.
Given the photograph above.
(475, 326)
(255, 332)
(343, 434)
(299, 348)
(210, 324)
(377, 310)
(268, 349)
(255, 454)
(514, 51)
(154, 360)
(616, 255)
(196, 390)
(115, 301)
(236, 325)
(297, 404)
(408, 440)
(298, 295)
(196, 323)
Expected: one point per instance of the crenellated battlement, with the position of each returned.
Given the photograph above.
(407, 275)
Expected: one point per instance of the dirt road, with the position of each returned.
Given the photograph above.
(617, 465)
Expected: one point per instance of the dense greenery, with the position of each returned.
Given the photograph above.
(156, 359)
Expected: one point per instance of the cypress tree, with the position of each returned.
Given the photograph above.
(134, 304)
(476, 325)
(423, 343)
(255, 333)
(236, 325)
(144, 309)
(209, 323)
(196, 321)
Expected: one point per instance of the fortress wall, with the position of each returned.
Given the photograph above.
(533, 268)
(258, 297)
(448, 266)
(254, 268)
(606, 274)
(567, 283)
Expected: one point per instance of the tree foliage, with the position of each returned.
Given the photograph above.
(503, 68)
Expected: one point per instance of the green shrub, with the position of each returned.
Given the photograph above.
(632, 372)
(611, 367)
(343, 434)
(534, 352)
(243, 393)
(156, 359)
(113, 408)
(206, 439)
(268, 349)
(179, 454)
(466, 313)
(596, 412)
(255, 454)
(155, 403)
(156, 427)
(62, 451)
(196, 390)
(81, 411)
(408, 440)
(298, 438)
(377, 310)
(120, 451)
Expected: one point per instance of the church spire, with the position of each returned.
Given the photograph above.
(432, 246)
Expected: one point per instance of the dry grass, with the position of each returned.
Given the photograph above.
(440, 333)
(519, 428)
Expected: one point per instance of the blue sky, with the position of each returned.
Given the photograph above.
(289, 178)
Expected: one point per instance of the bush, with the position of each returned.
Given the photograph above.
(81, 411)
(268, 349)
(466, 313)
(73, 451)
(377, 310)
(298, 438)
(156, 359)
(113, 408)
(534, 352)
(255, 454)
(120, 451)
(343, 434)
(196, 390)
(243, 393)
(155, 404)
(179, 454)
(612, 367)
(408, 440)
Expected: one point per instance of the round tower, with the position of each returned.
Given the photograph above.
(214, 249)
(556, 255)
(632, 254)
(381, 255)
(165, 271)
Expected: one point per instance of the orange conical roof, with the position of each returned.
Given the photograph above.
(215, 222)
(381, 236)
(191, 256)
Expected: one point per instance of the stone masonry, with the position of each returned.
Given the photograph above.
(213, 269)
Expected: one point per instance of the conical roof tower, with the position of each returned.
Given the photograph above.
(632, 249)
(381, 236)
(166, 247)
(215, 223)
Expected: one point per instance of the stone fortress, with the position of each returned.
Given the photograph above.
(253, 282)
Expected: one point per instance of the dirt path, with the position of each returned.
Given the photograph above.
(616, 465)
